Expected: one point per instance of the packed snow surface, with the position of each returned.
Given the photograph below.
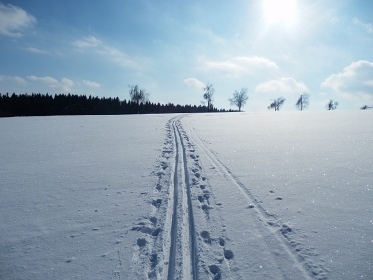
(266, 195)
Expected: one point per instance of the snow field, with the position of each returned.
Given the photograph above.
(283, 195)
(71, 189)
(309, 176)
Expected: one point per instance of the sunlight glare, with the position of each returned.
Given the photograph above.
(280, 11)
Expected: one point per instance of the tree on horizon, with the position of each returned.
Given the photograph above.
(138, 95)
(303, 101)
(209, 96)
(239, 98)
(276, 104)
(331, 105)
(366, 107)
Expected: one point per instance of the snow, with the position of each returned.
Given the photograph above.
(257, 195)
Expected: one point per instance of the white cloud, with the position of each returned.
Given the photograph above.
(13, 20)
(282, 86)
(16, 79)
(239, 65)
(47, 79)
(96, 46)
(36, 50)
(256, 61)
(87, 42)
(354, 82)
(193, 82)
(91, 84)
(64, 84)
(367, 26)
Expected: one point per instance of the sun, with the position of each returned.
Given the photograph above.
(280, 11)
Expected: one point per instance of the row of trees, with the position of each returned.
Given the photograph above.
(301, 104)
(62, 104)
(240, 98)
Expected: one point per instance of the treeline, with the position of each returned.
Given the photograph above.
(62, 104)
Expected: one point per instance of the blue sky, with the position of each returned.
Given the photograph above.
(173, 48)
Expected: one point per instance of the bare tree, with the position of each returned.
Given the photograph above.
(366, 107)
(276, 104)
(239, 98)
(209, 96)
(138, 95)
(331, 105)
(303, 101)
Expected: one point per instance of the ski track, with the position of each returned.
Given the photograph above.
(180, 238)
(183, 237)
(269, 224)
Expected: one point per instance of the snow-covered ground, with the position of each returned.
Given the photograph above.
(267, 195)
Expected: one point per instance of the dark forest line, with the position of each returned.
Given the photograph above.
(37, 104)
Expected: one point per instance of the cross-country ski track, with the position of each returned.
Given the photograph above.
(190, 232)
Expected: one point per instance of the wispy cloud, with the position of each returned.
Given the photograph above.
(239, 65)
(94, 45)
(88, 43)
(13, 20)
(15, 79)
(65, 85)
(195, 83)
(36, 50)
(282, 86)
(368, 27)
(91, 84)
(355, 81)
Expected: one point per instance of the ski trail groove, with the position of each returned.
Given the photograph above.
(172, 255)
(183, 259)
(275, 228)
(192, 235)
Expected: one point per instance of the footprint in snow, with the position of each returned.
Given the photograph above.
(153, 220)
(221, 241)
(157, 202)
(206, 237)
(215, 270)
(153, 260)
(285, 230)
(141, 242)
(228, 254)
(206, 208)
